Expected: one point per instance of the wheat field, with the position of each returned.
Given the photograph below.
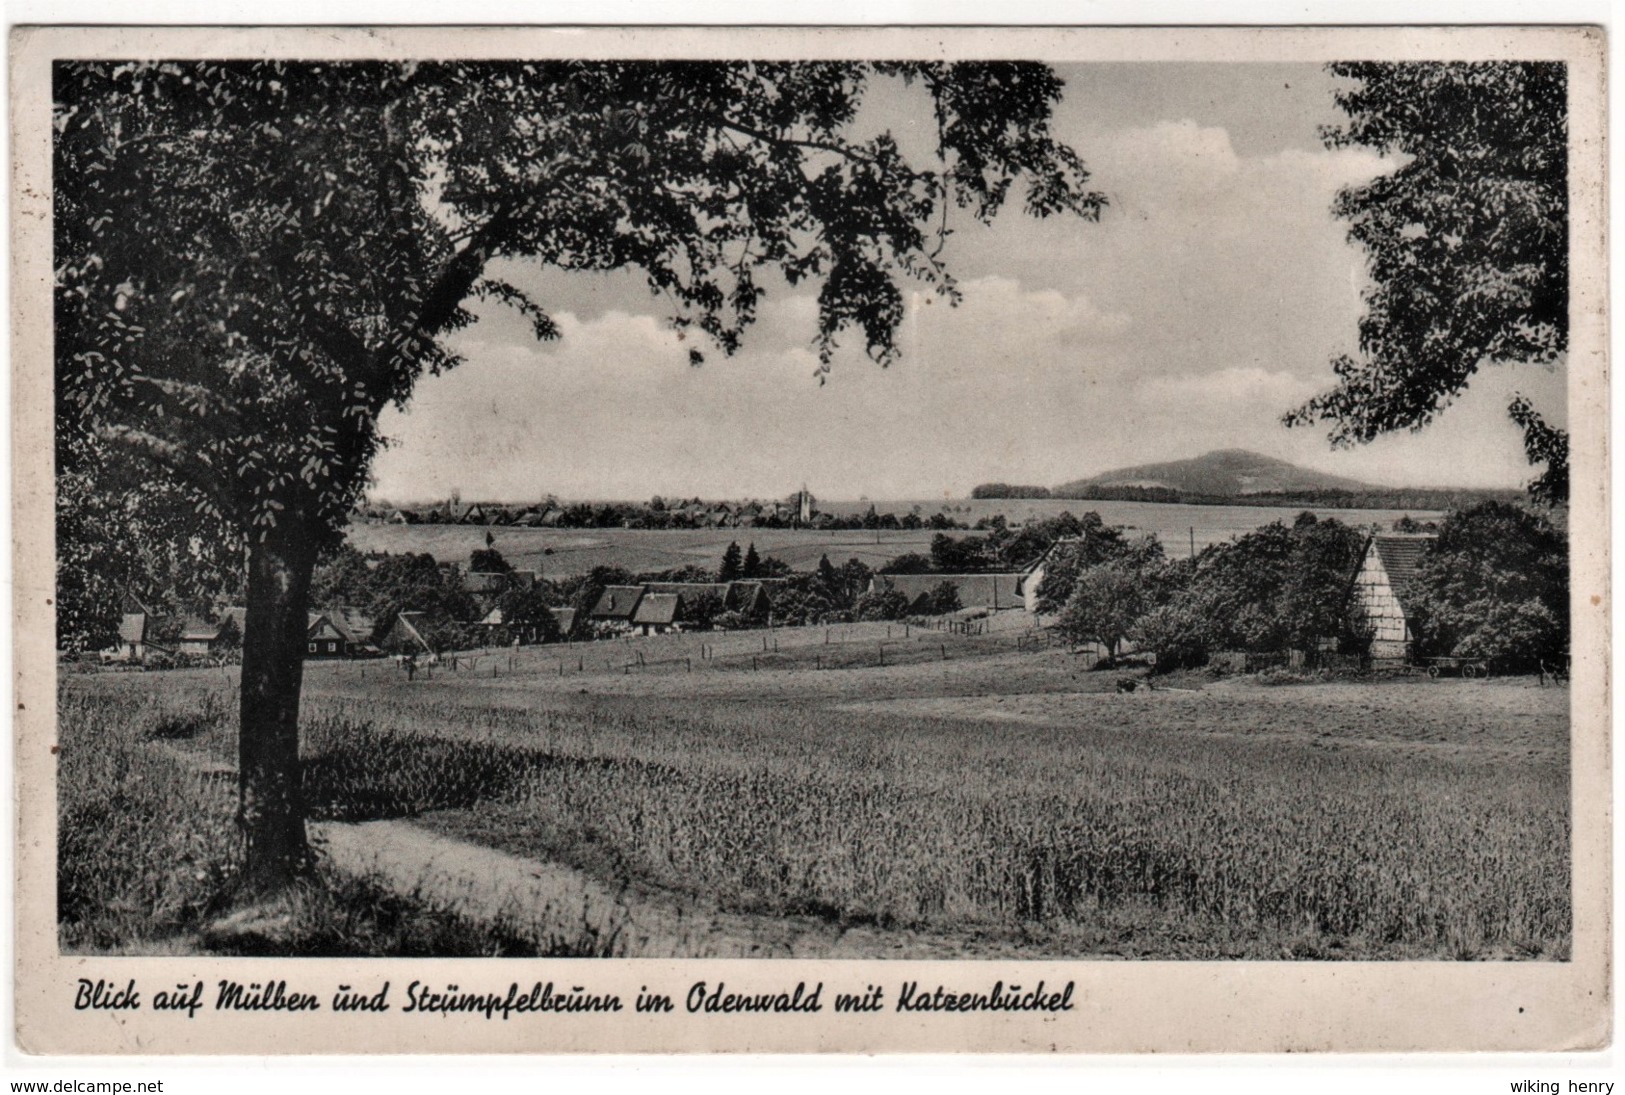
(1006, 797)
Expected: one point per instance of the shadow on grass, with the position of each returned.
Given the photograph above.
(337, 916)
(356, 772)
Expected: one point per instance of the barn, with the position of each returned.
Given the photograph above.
(990, 591)
(405, 637)
(1383, 597)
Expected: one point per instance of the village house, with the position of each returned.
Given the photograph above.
(615, 608)
(657, 613)
(339, 633)
(748, 597)
(563, 617)
(137, 628)
(1383, 598)
(196, 636)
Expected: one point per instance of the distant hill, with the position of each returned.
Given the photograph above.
(1236, 476)
(1227, 472)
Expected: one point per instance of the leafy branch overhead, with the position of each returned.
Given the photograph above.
(253, 259)
(280, 238)
(1466, 240)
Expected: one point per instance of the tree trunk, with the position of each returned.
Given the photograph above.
(271, 807)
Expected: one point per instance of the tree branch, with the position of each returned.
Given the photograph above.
(172, 457)
(844, 151)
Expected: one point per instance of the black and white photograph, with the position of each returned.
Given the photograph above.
(953, 506)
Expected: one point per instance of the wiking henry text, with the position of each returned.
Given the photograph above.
(704, 998)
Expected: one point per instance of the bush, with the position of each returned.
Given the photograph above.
(1176, 633)
(882, 604)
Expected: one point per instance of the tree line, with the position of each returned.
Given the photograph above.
(1492, 585)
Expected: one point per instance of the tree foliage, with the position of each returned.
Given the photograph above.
(1106, 602)
(943, 599)
(884, 603)
(733, 567)
(1495, 585)
(1467, 240)
(1546, 445)
(488, 561)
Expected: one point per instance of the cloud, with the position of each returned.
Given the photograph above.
(1208, 300)
(1246, 385)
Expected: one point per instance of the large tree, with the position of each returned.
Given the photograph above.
(253, 259)
(1467, 242)
(1496, 585)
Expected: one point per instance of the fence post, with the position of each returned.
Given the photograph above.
(944, 651)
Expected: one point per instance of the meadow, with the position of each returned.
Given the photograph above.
(563, 553)
(1001, 800)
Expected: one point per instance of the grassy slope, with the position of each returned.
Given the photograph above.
(1402, 819)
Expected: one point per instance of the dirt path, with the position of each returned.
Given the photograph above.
(547, 899)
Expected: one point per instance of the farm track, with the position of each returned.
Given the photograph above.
(492, 887)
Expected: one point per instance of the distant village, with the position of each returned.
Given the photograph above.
(800, 510)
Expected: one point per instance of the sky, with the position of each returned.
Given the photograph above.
(1206, 302)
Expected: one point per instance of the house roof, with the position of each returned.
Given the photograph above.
(195, 629)
(691, 590)
(975, 590)
(617, 603)
(657, 608)
(348, 623)
(1402, 555)
(357, 627)
(566, 618)
(403, 624)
